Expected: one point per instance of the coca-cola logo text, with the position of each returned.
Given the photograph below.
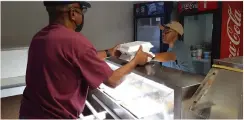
(233, 31)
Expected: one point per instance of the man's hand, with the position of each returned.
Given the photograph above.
(114, 52)
(118, 74)
(141, 57)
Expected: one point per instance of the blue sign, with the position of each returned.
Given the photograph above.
(155, 8)
(149, 9)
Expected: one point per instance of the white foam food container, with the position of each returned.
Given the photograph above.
(128, 57)
(132, 47)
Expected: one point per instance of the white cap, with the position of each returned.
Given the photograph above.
(174, 25)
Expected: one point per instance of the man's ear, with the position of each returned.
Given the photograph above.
(72, 14)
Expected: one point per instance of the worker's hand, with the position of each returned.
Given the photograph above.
(114, 52)
(141, 57)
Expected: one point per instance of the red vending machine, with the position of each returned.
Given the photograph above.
(232, 29)
(212, 30)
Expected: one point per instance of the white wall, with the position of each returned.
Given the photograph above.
(20, 21)
(106, 23)
(13, 62)
(109, 23)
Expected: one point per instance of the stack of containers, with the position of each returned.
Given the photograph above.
(129, 50)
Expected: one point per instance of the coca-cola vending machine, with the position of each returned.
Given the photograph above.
(232, 30)
(212, 30)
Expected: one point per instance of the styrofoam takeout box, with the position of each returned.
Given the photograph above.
(129, 50)
(128, 57)
(132, 47)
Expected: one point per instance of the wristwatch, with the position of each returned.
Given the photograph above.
(107, 53)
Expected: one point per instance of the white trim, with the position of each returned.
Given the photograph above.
(14, 48)
(12, 91)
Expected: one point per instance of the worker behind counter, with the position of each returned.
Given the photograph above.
(63, 65)
(178, 55)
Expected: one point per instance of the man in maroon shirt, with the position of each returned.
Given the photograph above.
(63, 65)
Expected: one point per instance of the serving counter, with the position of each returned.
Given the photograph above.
(156, 92)
(149, 92)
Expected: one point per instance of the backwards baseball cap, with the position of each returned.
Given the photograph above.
(174, 25)
(55, 3)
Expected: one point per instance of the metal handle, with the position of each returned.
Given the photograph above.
(105, 107)
(94, 112)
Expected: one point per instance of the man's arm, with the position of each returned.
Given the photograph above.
(115, 79)
(96, 71)
(165, 57)
(101, 54)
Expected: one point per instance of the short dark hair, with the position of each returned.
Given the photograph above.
(56, 3)
(54, 8)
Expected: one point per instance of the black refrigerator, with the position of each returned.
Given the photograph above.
(147, 17)
(211, 30)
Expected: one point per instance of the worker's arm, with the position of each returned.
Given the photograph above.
(96, 71)
(165, 57)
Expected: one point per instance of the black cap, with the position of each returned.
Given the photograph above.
(55, 3)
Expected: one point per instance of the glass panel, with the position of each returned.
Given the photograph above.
(148, 30)
(144, 22)
(159, 98)
(198, 36)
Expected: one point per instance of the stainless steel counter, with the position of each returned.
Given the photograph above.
(220, 95)
(215, 96)
(235, 62)
(222, 98)
(163, 75)
(183, 84)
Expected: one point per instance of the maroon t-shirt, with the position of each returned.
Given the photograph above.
(62, 66)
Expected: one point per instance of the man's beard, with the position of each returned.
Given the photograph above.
(79, 27)
(82, 24)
